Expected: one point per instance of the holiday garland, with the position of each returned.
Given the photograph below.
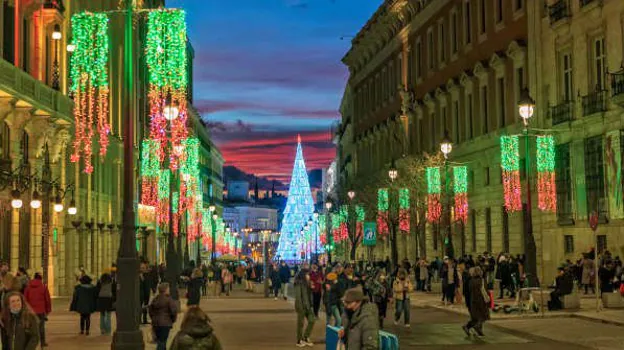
(460, 188)
(404, 206)
(510, 164)
(149, 173)
(360, 215)
(162, 213)
(89, 85)
(434, 207)
(382, 211)
(167, 62)
(343, 229)
(546, 189)
(323, 228)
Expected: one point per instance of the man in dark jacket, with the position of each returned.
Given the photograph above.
(564, 283)
(284, 274)
(361, 324)
(163, 312)
(144, 291)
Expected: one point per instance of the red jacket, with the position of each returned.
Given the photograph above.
(37, 296)
(317, 281)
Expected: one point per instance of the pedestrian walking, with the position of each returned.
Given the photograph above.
(83, 302)
(144, 291)
(193, 289)
(276, 282)
(479, 301)
(402, 288)
(304, 308)
(332, 299)
(37, 296)
(195, 333)
(316, 279)
(106, 291)
(204, 270)
(163, 313)
(20, 323)
(380, 291)
(284, 273)
(361, 329)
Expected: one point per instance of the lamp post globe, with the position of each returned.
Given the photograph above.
(72, 210)
(446, 145)
(16, 201)
(351, 194)
(328, 205)
(393, 173)
(526, 106)
(56, 34)
(35, 203)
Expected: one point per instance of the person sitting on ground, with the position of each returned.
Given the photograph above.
(361, 324)
(563, 286)
(195, 332)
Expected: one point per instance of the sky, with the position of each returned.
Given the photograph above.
(267, 70)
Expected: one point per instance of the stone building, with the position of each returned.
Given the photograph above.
(35, 111)
(419, 68)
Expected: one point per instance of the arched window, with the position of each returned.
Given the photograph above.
(24, 146)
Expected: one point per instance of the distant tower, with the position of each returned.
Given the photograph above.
(273, 189)
(299, 209)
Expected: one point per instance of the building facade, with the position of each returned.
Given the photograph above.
(420, 68)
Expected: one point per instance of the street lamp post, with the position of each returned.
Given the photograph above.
(328, 233)
(351, 219)
(526, 107)
(127, 334)
(393, 173)
(316, 231)
(446, 146)
(56, 36)
(213, 218)
(265, 254)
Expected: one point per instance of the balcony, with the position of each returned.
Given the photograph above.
(595, 102)
(558, 11)
(561, 113)
(617, 88)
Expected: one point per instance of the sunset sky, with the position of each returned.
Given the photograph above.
(267, 70)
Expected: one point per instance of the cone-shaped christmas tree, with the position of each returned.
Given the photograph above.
(299, 209)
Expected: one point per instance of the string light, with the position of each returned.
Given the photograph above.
(434, 207)
(546, 188)
(460, 188)
(89, 77)
(510, 164)
(404, 206)
(382, 211)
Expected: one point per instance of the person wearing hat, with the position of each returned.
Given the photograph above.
(83, 302)
(332, 299)
(361, 324)
(564, 283)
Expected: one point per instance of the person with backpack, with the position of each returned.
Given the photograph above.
(83, 302)
(106, 290)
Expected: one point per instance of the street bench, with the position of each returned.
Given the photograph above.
(570, 301)
(612, 300)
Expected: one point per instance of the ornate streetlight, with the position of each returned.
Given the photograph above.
(446, 146)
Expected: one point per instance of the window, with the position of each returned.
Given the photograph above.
(482, 19)
(501, 102)
(488, 229)
(519, 5)
(594, 176)
(600, 62)
(484, 109)
(441, 42)
(470, 117)
(567, 90)
(473, 229)
(499, 11)
(456, 122)
(563, 182)
(5, 141)
(25, 46)
(417, 64)
(505, 230)
(602, 243)
(8, 33)
(454, 28)
(568, 244)
(430, 49)
(486, 176)
(467, 21)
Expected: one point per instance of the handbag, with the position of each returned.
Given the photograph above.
(622, 289)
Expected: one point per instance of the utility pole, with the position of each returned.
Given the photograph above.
(127, 334)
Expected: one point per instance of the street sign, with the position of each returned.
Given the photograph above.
(370, 234)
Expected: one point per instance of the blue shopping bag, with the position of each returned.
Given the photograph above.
(388, 341)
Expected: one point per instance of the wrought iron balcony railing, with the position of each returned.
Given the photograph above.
(559, 11)
(595, 102)
(563, 112)
(617, 83)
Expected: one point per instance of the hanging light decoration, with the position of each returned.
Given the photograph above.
(322, 224)
(434, 207)
(404, 207)
(343, 230)
(382, 211)
(89, 77)
(510, 164)
(162, 212)
(150, 168)
(167, 65)
(460, 188)
(546, 189)
(335, 222)
(360, 215)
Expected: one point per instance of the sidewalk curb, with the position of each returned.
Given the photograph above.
(598, 320)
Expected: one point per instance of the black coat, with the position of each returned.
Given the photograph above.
(479, 310)
(84, 299)
(193, 292)
(103, 301)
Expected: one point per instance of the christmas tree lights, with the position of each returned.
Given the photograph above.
(460, 188)
(434, 207)
(166, 58)
(89, 84)
(510, 164)
(404, 207)
(299, 209)
(382, 211)
(546, 189)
